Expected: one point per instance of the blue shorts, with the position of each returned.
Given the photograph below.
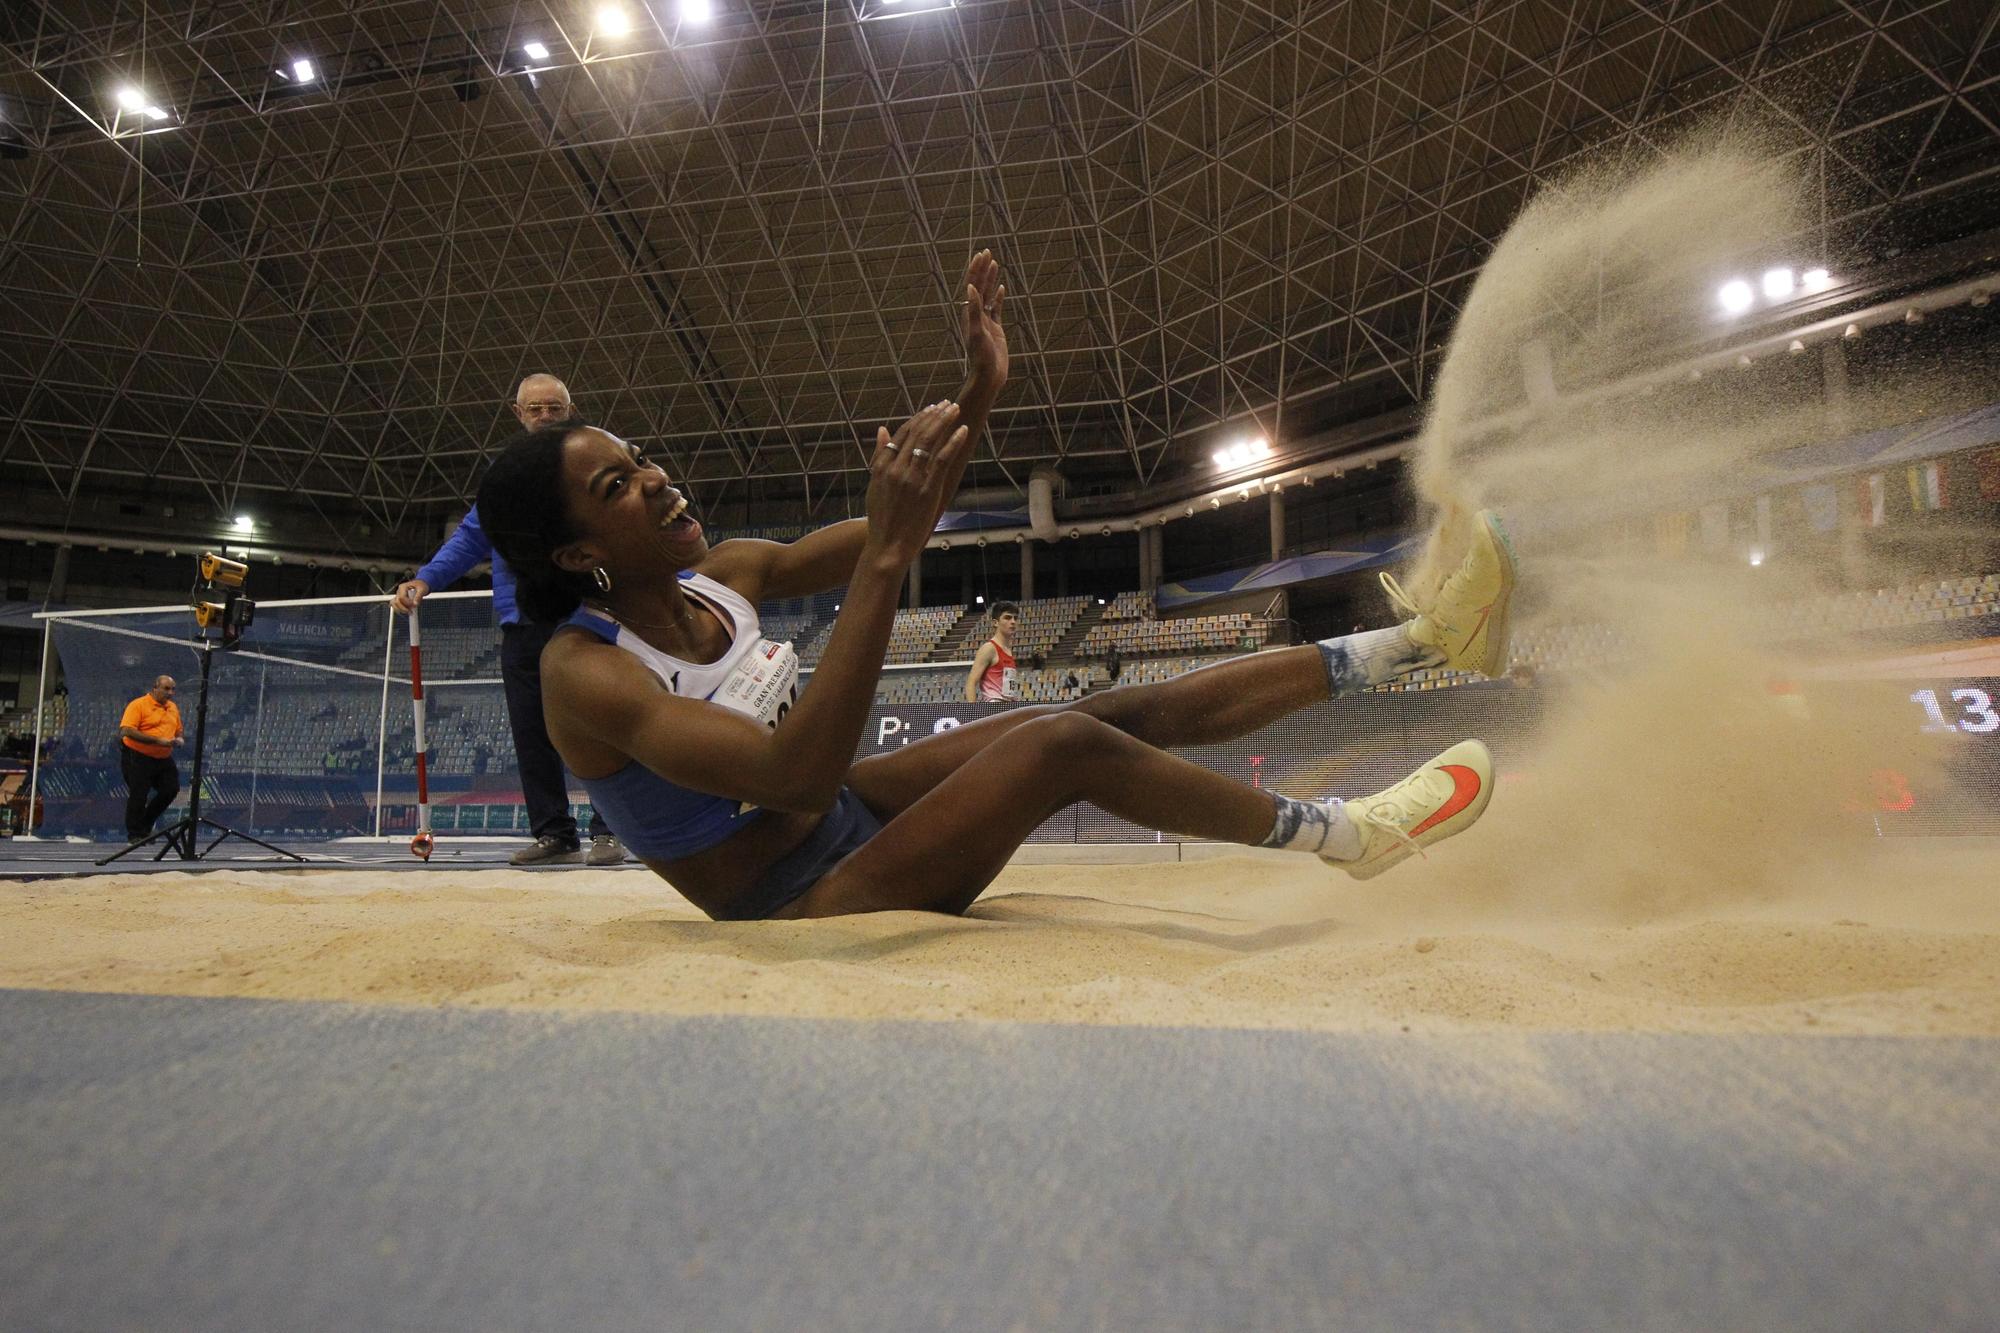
(847, 826)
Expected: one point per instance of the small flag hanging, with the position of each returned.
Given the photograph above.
(1873, 496)
(1927, 491)
(1987, 465)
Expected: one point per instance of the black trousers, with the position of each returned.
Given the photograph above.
(542, 778)
(153, 782)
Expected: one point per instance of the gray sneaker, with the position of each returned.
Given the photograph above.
(606, 850)
(549, 850)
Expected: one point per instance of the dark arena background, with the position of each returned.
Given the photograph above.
(1697, 1027)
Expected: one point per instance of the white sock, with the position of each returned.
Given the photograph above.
(1320, 827)
(1373, 657)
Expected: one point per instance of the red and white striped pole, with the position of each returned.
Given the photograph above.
(420, 846)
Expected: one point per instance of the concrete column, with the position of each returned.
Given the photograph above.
(1028, 570)
(59, 575)
(1145, 557)
(916, 584)
(1277, 524)
(1062, 571)
(1159, 571)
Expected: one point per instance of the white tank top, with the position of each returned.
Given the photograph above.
(755, 677)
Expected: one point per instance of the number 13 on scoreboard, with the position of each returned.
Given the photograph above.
(1976, 704)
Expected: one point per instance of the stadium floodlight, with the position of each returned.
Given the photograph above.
(1221, 457)
(243, 523)
(980, 600)
(302, 71)
(1779, 283)
(697, 11)
(1736, 296)
(1756, 559)
(535, 51)
(155, 113)
(131, 98)
(1815, 279)
(613, 21)
(889, 9)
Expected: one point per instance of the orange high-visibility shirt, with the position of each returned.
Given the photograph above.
(161, 720)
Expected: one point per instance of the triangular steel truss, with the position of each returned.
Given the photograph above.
(739, 242)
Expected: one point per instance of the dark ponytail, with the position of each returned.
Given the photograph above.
(523, 509)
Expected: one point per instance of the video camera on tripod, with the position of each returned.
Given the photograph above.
(221, 614)
(220, 607)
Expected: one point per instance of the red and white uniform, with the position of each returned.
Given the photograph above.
(997, 685)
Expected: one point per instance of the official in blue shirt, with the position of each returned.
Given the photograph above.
(542, 400)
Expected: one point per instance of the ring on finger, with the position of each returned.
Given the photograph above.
(891, 446)
(920, 453)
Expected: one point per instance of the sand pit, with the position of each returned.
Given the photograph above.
(1909, 944)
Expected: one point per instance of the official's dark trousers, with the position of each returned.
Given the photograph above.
(542, 778)
(153, 782)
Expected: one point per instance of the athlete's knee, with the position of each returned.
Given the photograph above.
(1073, 734)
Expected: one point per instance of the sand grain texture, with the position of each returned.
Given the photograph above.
(1911, 946)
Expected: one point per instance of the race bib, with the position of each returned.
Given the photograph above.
(763, 684)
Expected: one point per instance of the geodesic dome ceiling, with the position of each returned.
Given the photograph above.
(739, 239)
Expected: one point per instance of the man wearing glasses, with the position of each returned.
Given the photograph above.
(542, 400)
(148, 732)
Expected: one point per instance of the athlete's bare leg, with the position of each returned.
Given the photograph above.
(1215, 703)
(941, 852)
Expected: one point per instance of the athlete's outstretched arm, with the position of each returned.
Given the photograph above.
(802, 762)
(823, 560)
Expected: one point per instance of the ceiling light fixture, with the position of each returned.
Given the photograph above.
(535, 51)
(1778, 283)
(613, 21)
(1736, 296)
(697, 11)
(302, 70)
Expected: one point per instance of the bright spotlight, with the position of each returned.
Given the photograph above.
(535, 51)
(243, 523)
(1779, 283)
(1736, 296)
(980, 599)
(155, 113)
(1816, 279)
(1221, 457)
(613, 21)
(697, 11)
(302, 70)
(1260, 448)
(1756, 558)
(131, 98)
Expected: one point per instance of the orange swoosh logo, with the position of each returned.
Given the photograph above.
(1484, 612)
(1464, 791)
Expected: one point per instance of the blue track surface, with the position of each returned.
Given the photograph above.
(231, 1164)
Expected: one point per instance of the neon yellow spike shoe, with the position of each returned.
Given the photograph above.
(1468, 623)
(1445, 796)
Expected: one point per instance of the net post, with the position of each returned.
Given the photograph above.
(41, 695)
(382, 727)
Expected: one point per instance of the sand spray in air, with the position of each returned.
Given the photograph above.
(1669, 777)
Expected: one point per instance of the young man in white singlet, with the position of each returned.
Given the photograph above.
(991, 679)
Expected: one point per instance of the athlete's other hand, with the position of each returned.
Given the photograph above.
(910, 473)
(409, 594)
(985, 335)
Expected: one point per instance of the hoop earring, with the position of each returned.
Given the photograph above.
(601, 579)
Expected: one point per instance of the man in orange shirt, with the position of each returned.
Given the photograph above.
(148, 733)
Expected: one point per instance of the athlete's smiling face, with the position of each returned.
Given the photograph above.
(628, 515)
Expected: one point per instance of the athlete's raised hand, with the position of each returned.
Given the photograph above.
(985, 335)
(911, 470)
